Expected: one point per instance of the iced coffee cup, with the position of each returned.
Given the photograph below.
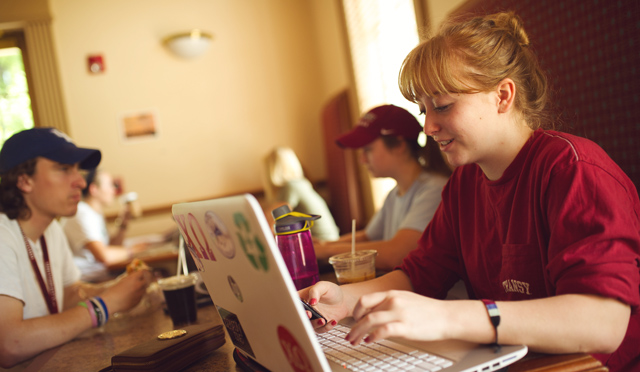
(180, 297)
(354, 267)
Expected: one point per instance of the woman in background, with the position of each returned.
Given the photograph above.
(388, 136)
(286, 183)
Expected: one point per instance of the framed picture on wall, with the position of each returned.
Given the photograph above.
(139, 125)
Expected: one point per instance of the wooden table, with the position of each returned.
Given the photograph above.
(93, 350)
(162, 257)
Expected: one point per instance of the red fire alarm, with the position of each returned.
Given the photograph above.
(96, 64)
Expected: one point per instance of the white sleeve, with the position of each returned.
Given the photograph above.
(83, 228)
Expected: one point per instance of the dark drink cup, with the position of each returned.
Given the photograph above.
(180, 297)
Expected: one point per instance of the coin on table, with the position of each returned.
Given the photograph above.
(172, 334)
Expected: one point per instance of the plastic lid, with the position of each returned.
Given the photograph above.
(289, 222)
(280, 211)
(358, 256)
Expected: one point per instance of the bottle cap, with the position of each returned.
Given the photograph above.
(288, 222)
(280, 211)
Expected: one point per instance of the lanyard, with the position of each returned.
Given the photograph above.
(50, 293)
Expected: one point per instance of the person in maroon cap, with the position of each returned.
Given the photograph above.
(40, 180)
(388, 137)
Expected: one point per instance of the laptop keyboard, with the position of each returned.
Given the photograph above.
(383, 355)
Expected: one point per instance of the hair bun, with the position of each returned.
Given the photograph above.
(512, 24)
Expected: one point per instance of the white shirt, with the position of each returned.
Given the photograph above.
(86, 226)
(17, 278)
(413, 210)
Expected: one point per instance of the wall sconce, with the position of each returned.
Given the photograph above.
(189, 44)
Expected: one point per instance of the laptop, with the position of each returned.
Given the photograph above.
(236, 254)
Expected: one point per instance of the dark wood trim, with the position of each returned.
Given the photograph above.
(166, 208)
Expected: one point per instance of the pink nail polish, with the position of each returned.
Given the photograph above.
(313, 301)
(333, 322)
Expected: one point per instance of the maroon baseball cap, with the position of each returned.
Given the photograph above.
(386, 120)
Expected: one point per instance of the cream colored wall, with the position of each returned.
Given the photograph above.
(271, 67)
(440, 9)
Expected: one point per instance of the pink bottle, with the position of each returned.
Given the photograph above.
(295, 244)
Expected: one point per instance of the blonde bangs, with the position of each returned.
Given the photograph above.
(430, 70)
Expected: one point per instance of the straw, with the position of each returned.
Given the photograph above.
(182, 262)
(185, 269)
(179, 261)
(353, 245)
(353, 237)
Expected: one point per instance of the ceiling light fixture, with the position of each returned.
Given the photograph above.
(189, 44)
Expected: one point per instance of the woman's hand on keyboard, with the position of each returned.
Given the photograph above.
(402, 314)
(329, 300)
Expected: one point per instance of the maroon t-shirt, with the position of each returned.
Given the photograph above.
(563, 218)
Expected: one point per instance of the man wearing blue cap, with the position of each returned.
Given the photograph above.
(40, 180)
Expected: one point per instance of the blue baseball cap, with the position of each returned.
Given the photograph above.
(48, 143)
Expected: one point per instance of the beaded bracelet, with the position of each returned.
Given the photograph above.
(494, 315)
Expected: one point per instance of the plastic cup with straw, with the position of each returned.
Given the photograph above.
(179, 292)
(354, 266)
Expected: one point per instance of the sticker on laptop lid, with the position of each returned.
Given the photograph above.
(236, 333)
(235, 288)
(220, 235)
(194, 236)
(293, 352)
(252, 247)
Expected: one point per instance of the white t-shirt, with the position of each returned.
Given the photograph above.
(17, 278)
(413, 210)
(86, 226)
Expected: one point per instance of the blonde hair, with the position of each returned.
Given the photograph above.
(474, 56)
(283, 166)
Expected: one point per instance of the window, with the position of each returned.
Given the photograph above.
(381, 34)
(15, 102)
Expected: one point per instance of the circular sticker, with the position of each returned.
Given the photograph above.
(220, 235)
(235, 288)
(292, 350)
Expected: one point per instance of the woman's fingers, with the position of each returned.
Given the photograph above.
(367, 303)
(327, 299)
(317, 292)
(395, 314)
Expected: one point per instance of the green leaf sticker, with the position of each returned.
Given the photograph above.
(251, 245)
